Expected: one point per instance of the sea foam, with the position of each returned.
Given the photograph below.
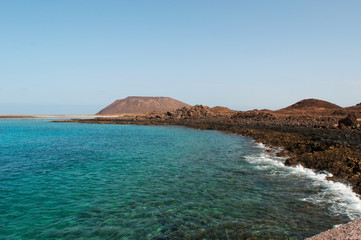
(339, 196)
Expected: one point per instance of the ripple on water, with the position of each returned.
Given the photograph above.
(338, 196)
(79, 181)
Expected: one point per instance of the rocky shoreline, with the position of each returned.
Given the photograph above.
(321, 141)
(316, 143)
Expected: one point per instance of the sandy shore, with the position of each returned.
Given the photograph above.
(351, 231)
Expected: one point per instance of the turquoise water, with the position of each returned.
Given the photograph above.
(84, 181)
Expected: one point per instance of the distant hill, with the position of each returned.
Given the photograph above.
(357, 107)
(222, 111)
(311, 104)
(140, 105)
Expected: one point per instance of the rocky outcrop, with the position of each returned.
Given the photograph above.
(347, 122)
(340, 112)
(255, 115)
(196, 112)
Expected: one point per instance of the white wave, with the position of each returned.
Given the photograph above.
(339, 196)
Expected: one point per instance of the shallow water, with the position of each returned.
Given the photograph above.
(84, 181)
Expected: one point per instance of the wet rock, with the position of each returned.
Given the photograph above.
(291, 162)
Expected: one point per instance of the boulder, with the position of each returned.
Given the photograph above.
(349, 121)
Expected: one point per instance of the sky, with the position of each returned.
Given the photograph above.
(76, 57)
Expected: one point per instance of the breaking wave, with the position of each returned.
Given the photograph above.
(339, 197)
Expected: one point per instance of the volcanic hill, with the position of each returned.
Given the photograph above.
(142, 105)
(311, 105)
(357, 107)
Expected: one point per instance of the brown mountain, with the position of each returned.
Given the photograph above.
(311, 104)
(357, 107)
(218, 110)
(140, 105)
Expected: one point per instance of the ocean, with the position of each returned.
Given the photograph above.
(99, 181)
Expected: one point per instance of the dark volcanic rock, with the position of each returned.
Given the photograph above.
(255, 115)
(185, 113)
(339, 112)
(349, 121)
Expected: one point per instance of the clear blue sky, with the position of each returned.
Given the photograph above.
(59, 57)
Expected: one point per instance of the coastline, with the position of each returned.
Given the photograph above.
(252, 192)
(329, 149)
(332, 150)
